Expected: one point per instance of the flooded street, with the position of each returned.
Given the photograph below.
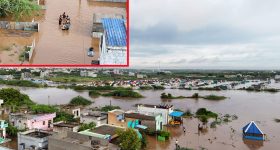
(262, 107)
(55, 46)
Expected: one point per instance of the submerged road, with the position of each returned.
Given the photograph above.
(55, 46)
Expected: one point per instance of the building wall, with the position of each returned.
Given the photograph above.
(98, 121)
(112, 120)
(164, 112)
(28, 141)
(58, 144)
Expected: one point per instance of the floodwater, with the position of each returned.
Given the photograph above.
(262, 107)
(54, 46)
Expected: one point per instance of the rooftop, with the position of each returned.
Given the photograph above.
(163, 106)
(115, 32)
(35, 134)
(106, 129)
(142, 116)
(69, 125)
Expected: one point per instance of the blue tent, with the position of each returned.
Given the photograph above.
(253, 132)
(176, 114)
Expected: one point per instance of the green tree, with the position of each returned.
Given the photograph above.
(17, 8)
(79, 100)
(14, 98)
(129, 140)
(40, 108)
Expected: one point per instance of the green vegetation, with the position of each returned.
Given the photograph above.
(214, 97)
(129, 140)
(40, 108)
(86, 126)
(23, 83)
(109, 108)
(170, 96)
(158, 87)
(12, 131)
(17, 8)
(203, 115)
(164, 134)
(63, 116)
(124, 93)
(80, 101)
(146, 87)
(14, 98)
(94, 93)
(183, 148)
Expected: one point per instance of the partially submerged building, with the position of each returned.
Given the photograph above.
(163, 109)
(252, 132)
(152, 121)
(76, 141)
(113, 42)
(33, 139)
(32, 121)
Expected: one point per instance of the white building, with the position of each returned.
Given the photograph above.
(164, 110)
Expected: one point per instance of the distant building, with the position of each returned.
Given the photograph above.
(32, 121)
(164, 110)
(33, 140)
(131, 74)
(99, 118)
(277, 77)
(25, 75)
(76, 141)
(113, 43)
(6, 77)
(44, 74)
(85, 73)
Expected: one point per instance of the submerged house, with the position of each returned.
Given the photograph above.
(163, 109)
(113, 42)
(252, 132)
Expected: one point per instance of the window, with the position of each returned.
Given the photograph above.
(44, 122)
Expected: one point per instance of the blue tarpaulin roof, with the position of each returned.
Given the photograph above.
(115, 31)
(252, 128)
(176, 114)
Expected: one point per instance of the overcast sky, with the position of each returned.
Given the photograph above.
(205, 34)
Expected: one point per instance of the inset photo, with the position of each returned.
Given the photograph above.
(64, 33)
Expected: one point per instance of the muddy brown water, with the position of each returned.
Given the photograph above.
(262, 107)
(54, 46)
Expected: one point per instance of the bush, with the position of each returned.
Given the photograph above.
(124, 93)
(214, 97)
(94, 93)
(129, 140)
(109, 108)
(79, 100)
(63, 116)
(165, 134)
(85, 126)
(37, 109)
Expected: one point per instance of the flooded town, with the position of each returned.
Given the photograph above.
(65, 33)
(163, 106)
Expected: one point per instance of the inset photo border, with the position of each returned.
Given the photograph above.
(75, 33)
